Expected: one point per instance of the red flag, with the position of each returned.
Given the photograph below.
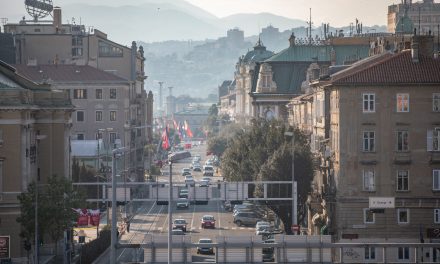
(94, 217)
(175, 124)
(188, 130)
(165, 140)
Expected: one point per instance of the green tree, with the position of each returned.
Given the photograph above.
(263, 152)
(55, 202)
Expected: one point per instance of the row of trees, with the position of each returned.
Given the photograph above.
(262, 152)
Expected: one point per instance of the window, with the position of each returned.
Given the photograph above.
(436, 180)
(402, 180)
(112, 115)
(112, 93)
(402, 216)
(98, 116)
(369, 216)
(436, 102)
(370, 253)
(108, 50)
(112, 137)
(402, 102)
(433, 139)
(369, 103)
(80, 136)
(368, 142)
(77, 52)
(79, 116)
(77, 41)
(98, 93)
(402, 141)
(79, 94)
(436, 216)
(368, 181)
(403, 253)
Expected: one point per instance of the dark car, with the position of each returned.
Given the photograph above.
(201, 249)
(208, 221)
(180, 224)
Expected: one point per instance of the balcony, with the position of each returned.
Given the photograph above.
(402, 158)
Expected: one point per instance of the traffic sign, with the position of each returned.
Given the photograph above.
(295, 228)
(381, 202)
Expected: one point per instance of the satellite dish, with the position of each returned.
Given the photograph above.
(38, 8)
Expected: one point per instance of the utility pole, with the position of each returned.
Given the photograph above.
(160, 98)
(170, 215)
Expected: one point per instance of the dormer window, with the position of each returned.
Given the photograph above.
(265, 83)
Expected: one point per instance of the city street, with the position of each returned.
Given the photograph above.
(152, 219)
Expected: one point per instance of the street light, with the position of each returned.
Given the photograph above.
(38, 138)
(107, 130)
(294, 187)
(114, 240)
(170, 213)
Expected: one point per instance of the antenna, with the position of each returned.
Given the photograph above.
(419, 22)
(310, 27)
(160, 95)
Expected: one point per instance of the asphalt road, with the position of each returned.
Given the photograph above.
(152, 219)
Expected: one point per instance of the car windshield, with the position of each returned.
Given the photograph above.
(205, 241)
(179, 221)
(208, 218)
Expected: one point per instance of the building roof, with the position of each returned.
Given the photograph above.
(259, 53)
(309, 53)
(391, 69)
(60, 73)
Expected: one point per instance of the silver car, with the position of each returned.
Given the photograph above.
(246, 218)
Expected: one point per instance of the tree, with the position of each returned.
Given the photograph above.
(263, 152)
(55, 202)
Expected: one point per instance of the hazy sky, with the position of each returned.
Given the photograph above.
(335, 12)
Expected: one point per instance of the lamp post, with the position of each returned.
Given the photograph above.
(294, 187)
(114, 239)
(107, 130)
(37, 159)
(170, 214)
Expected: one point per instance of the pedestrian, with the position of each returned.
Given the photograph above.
(128, 226)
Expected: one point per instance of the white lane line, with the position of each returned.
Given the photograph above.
(218, 217)
(192, 218)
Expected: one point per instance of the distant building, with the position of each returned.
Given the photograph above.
(195, 117)
(228, 99)
(421, 14)
(34, 143)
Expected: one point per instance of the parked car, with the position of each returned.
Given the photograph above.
(177, 231)
(268, 252)
(208, 179)
(197, 167)
(183, 193)
(189, 180)
(207, 221)
(201, 249)
(203, 184)
(186, 171)
(246, 218)
(180, 224)
(227, 205)
(208, 170)
(182, 203)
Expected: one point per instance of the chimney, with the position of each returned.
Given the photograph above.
(57, 23)
(415, 47)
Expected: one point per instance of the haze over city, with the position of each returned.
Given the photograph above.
(338, 13)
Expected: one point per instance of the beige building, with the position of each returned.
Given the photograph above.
(423, 14)
(42, 43)
(35, 124)
(380, 120)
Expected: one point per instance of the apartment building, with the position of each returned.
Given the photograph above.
(43, 43)
(375, 127)
(35, 124)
